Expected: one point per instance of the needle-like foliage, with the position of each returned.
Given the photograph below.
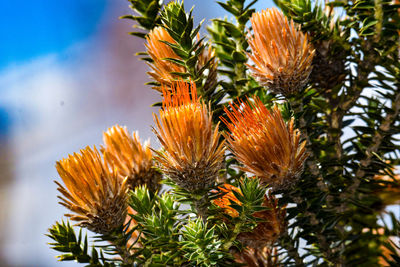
(309, 97)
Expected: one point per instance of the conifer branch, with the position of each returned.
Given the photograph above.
(291, 182)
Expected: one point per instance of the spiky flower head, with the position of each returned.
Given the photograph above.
(192, 153)
(130, 158)
(387, 189)
(158, 50)
(267, 146)
(226, 200)
(165, 71)
(95, 193)
(280, 51)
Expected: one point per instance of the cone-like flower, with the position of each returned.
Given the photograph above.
(129, 158)
(192, 153)
(280, 51)
(267, 146)
(95, 194)
(164, 71)
(158, 52)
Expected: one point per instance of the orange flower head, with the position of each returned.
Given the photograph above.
(267, 146)
(164, 70)
(95, 194)
(388, 190)
(225, 201)
(159, 51)
(280, 51)
(192, 153)
(129, 158)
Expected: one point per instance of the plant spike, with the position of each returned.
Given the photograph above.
(313, 165)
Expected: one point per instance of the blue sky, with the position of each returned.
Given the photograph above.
(30, 29)
(60, 79)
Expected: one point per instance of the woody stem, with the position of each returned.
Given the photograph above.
(201, 206)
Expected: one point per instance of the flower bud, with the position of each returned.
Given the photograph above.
(129, 158)
(192, 155)
(267, 146)
(95, 194)
(280, 51)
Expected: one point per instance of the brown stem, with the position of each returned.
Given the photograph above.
(383, 131)
(123, 252)
(340, 108)
(315, 170)
(201, 206)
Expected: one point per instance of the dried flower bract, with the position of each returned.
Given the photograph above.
(193, 154)
(280, 51)
(125, 153)
(267, 146)
(95, 194)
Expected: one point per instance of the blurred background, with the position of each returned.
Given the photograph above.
(67, 73)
